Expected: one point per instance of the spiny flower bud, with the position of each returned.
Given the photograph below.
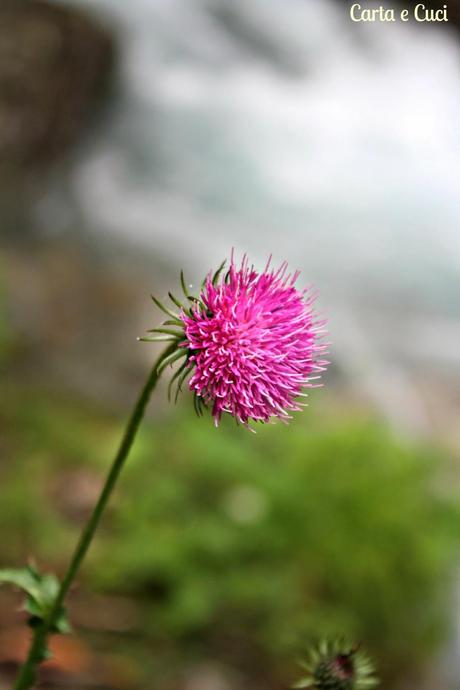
(250, 343)
(335, 665)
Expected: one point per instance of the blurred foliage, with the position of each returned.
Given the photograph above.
(322, 527)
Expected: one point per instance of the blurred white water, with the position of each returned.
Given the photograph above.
(277, 126)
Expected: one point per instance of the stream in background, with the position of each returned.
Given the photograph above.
(279, 127)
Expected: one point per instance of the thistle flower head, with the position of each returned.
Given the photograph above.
(250, 343)
(336, 665)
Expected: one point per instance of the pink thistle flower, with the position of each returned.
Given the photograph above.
(252, 343)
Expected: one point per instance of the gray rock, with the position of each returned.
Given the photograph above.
(54, 63)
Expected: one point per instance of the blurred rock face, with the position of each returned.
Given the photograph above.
(53, 64)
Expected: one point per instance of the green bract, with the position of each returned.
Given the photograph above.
(172, 331)
(336, 665)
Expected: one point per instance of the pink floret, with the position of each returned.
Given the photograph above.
(254, 343)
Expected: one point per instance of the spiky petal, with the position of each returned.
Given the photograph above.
(254, 342)
(251, 342)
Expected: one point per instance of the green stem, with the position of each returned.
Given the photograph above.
(37, 652)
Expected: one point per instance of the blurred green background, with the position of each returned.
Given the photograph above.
(142, 138)
(226, 553)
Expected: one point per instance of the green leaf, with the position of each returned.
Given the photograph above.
(41, 591)
(23, 578)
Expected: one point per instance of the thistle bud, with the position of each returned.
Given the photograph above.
(336, 665)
